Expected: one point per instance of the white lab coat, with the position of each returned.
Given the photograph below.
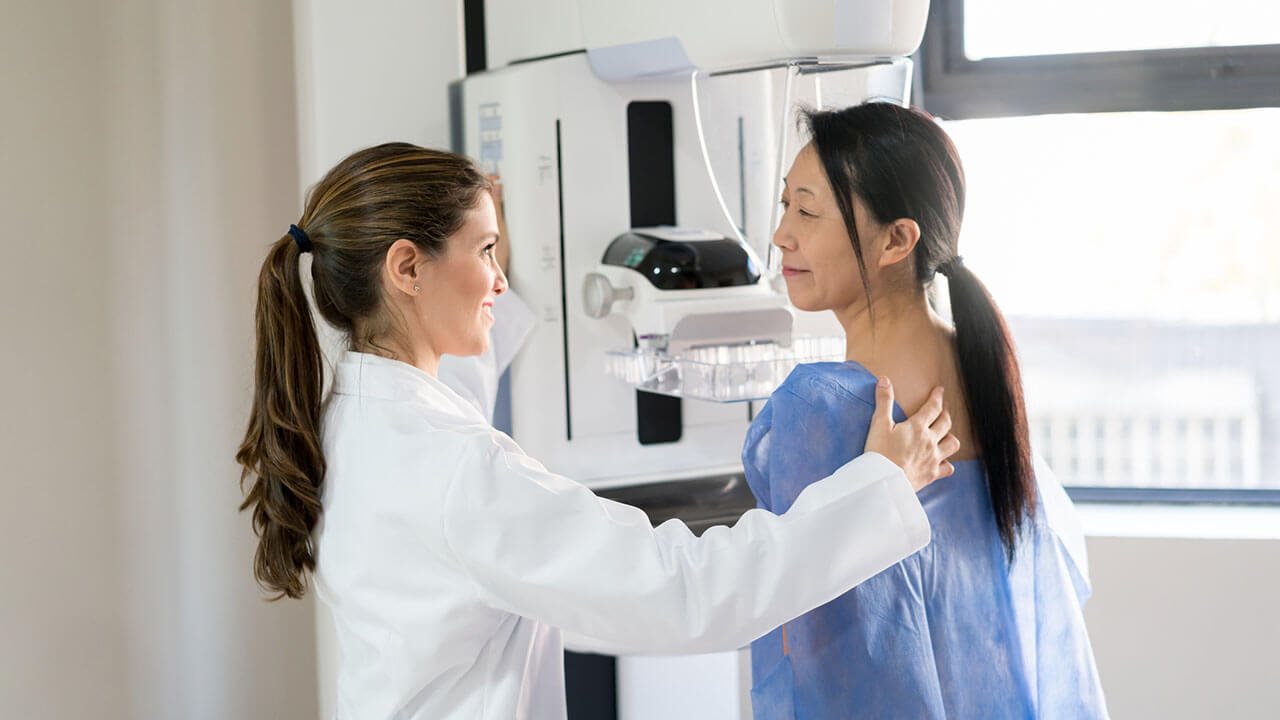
(453, 563)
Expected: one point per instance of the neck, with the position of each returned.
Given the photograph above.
(902, 322)
(428, 361)
(420, 353)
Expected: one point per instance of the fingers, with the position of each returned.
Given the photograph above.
(932, 408)
(949, 446)
(884, 403)
(942, 425)
(945, 469)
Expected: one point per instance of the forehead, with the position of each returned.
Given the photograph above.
(806, 174)
(482, 218)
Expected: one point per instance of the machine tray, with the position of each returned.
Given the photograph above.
(720, 373)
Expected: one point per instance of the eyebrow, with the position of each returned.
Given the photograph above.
(800, 189)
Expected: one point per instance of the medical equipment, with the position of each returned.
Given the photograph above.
(614, 125)
(641, 147)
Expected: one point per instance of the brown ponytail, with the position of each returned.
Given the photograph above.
(281, 448)
(353, 215)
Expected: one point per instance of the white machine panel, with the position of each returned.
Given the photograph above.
(558, 135)
(710, 34)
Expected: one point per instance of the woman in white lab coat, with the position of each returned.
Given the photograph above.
(455, 565)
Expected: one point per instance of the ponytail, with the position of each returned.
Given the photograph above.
(367, 202)
(993, 387)
(901, 164)
(281, 447)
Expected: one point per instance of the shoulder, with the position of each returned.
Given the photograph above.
(814, 422)
(813, 390)
(845, 384)
(409, 432)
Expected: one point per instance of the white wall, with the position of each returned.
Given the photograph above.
(368, 73)
(1187, 628)
(149, 158)
(373, 72)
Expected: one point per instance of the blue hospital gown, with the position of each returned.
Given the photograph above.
(954, 631)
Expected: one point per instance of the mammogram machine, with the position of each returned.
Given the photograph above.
(641, 148)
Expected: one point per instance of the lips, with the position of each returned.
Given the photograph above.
(792, 272)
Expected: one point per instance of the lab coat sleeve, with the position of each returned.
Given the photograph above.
(542, 546)
(475, 377)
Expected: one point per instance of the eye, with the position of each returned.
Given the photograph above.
(488, 249)
(786, 205)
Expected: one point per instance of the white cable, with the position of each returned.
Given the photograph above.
(706, 159)
(773, 268)
(906, 84)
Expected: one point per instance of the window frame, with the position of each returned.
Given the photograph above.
(1173, 496)
(951, 86)
(1205, 78)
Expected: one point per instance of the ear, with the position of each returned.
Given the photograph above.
(899, 241)
(401, 266)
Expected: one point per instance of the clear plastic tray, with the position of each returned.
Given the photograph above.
(721, 373)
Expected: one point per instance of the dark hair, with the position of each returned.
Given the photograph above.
(353, 215)
(901, 164)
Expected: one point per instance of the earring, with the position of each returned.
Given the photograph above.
(416, 288)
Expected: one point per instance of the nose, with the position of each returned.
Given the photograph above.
(782, 237)
(499, 281)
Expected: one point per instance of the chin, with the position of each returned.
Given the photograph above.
(807, 304)
(468, 348)
(480, 346)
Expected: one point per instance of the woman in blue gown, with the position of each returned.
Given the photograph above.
(986, 621)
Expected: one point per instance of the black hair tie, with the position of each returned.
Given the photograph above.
(950, 266)
(300, 237)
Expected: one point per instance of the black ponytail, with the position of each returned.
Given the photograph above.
(901, 164)
(993, 387)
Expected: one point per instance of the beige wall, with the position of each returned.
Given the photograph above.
(149, 157)
(61, 595)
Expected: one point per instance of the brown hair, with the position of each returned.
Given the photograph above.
(353, 215)
(901, 164)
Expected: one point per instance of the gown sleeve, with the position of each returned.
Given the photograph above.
(755, 456)
(545, 547)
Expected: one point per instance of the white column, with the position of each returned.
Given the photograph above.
(368, 73)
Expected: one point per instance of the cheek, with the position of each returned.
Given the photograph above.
(468, 281)
(836, 279)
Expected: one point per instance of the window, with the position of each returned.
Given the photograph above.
(996, 58)
(1022, 28)
(1132, 238)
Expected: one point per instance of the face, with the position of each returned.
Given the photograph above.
(459, 287)
(818, 260)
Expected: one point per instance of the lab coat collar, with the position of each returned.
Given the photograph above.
(373, 376)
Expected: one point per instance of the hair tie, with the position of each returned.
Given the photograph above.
(949, 266)
(300, 238)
